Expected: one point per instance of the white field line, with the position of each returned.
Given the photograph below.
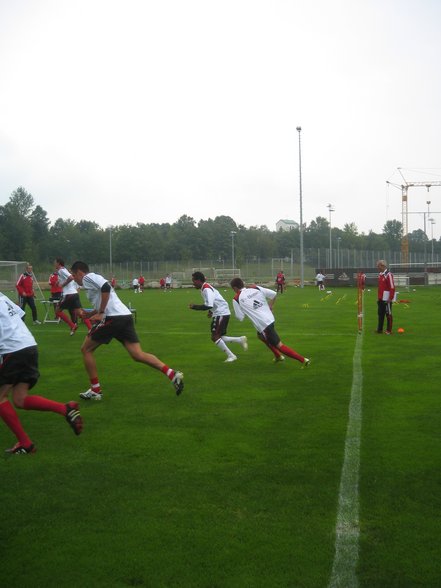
(347, 529)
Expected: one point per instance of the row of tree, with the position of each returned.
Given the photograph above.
(26, 233)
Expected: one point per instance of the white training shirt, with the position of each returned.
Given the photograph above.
(92, 283)
(252, 302)
(63, 275)
(214, 300)
(14, 334)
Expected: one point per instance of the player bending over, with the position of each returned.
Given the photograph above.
(253, 303)
(113, 320)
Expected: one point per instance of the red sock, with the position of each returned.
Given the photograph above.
(95, 385)
(10, 417)
(60, 314)
(41, 403)
(87, 323)
(291, 353)
(168, 372)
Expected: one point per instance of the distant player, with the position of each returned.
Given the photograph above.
(386, 295)
(113, 320)
(219, 312)
(70, 299)
(19, 373)
(55, 288)
(320, 280)
(280, 282)
(26, 294)
(253, 303)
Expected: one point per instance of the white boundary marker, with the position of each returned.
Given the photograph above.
(347, 529)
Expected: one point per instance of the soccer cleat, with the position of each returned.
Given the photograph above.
(306, 363)
(91, 395)
(37, 322)
(73, 417)
(230, 359)
(73, 330)
(244, 343)
(279, 358)
(178, 382)
(388, 333)
(21, 449)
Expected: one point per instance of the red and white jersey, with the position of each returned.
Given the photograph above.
(252, 302)
(93, 283)
(386, 286)
(63, 275)
(14, 334)
(214, 299)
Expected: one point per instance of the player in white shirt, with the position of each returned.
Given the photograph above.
(253, 303)
(113, 320)
(19, 373)
(70, 299)
(219, 312)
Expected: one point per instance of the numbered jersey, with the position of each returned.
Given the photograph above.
(14, 334)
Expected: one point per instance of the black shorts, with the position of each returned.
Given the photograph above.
(119, 327)
(269, 334)
(219, 325)
(70, 302)
(20, 367)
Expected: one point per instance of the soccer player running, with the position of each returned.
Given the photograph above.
(113, 320)
(219, 312)
(386, 295)
(70, 299)
(253, 303)
(19, 373)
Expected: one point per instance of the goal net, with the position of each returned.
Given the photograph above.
(9, 273)
(224, 276)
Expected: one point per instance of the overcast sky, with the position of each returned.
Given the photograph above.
(126, 111)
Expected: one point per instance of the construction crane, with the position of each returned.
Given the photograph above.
(404, 187)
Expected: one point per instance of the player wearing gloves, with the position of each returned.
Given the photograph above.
(219, 312)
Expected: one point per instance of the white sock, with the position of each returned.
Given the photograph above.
(231, 339)
(224, 348)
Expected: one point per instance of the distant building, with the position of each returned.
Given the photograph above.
(285, 224)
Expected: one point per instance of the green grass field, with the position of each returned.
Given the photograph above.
(236, 482)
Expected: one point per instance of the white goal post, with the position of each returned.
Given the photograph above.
(9, 273)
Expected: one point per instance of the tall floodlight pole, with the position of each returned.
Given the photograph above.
(432, 222)
(110, 252)
(331, 210)
(302, 280)
(232, 233)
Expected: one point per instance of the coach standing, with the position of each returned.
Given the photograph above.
(26, 294)
(386, 294)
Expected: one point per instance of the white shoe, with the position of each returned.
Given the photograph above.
(230, 359)
(37, 322)
(280, 358)
(178, 382)
(91, 395)
(244, 343)
(306, 363)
